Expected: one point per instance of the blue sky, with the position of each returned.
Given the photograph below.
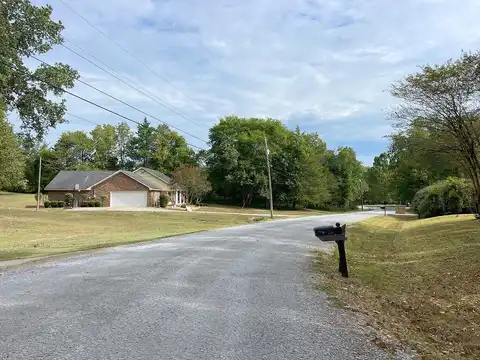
(325, 65)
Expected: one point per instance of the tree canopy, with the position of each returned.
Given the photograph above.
(25, 31)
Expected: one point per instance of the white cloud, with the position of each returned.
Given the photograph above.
(316, 61)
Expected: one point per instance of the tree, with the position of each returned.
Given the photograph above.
(443, 100)
(27, 30)
(142, 148)
(104, 146)
(170, 150)
(12, 161)
(347, 172)
(123, 140)
(193, 182)
(74, 151)
(379, 179)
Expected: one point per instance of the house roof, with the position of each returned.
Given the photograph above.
(66, 180)
(157, 174)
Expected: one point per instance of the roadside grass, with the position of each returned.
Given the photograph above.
(418, 279)
(25, 232)
(240, 210)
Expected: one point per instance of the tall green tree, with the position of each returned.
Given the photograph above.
(347, 174)
(123, 141)
(380, 179)
(12, 161)
(27, 30)
(143, 145)
(443, 100)
(104, 147)
(170, 150)
(74, 151)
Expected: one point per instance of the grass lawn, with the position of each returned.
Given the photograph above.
(418, 279)
(28, 233)
(240, 210)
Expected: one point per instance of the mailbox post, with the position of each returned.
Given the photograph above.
(335, 233)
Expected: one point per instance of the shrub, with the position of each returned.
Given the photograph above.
(164, 200)
(60, 204)
(183, 206)
(54, 204)
(83, 204)
(41, 197)
(90, 203)
(452, 196)
(46, 204)
(68, 199)
(97, 203)
(103, 200)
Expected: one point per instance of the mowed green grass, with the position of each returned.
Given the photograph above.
(419, 279)
(25, 232)
(240, 210)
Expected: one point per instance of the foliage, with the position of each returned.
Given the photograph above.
(104, 147)
(12, 162)
(193, 182)
(443, 101)
(452, 196)
(163, 200)
(97, 203)
(68, 199)
(103, 200)
(123, 141)
(47, 204)
(27, 30)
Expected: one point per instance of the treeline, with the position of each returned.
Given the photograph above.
(304, 172)
(434, 154)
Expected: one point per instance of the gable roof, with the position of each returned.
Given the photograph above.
(66, 180)
(157, 174)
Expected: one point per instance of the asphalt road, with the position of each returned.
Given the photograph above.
(238, 293)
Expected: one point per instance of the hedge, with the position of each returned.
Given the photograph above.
(452, 196)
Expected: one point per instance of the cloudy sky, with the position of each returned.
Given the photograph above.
(325, 65)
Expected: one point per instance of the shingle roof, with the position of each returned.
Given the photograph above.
(157, 174)
(142, 180)
(66, 180)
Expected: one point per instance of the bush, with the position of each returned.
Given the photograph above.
(452, 196)
(69, 199)
(41, 197)
(46, 204)
(83, 204)
(103, 200)
(164, 200)
(97, 203)
(183, 206)
(60, 204)
(54, 204)
(90, 203)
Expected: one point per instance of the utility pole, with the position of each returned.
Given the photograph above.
(39, 180)
(269, 177)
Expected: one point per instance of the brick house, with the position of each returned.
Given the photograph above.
(140, 188)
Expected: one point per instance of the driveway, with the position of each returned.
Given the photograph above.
(239, 293)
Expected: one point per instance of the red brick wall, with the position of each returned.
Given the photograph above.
(60, 195)
(119, 182)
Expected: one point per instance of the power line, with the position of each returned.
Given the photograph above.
(84, 99)
(145, 92)
(127, 104)
(129, 53)
(80, 118)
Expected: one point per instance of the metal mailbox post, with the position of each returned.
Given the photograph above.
(335, 233)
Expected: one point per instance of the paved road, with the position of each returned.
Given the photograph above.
(239, 293)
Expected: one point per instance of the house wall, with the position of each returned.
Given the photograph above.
(59, 195)
(160, 184)
(119, 182)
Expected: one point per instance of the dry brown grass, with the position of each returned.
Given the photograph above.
(25, 232)
(419, 279)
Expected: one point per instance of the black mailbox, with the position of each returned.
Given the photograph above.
(330, 233)
(335, 233)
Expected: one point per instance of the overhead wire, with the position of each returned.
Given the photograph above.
(84, 99)
(125, 103)
(145, 92)
(128, 52)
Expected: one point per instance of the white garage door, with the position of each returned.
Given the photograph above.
(128, 198)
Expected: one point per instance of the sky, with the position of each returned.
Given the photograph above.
(324, 65)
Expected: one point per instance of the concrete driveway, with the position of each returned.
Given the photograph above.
(239, 293)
